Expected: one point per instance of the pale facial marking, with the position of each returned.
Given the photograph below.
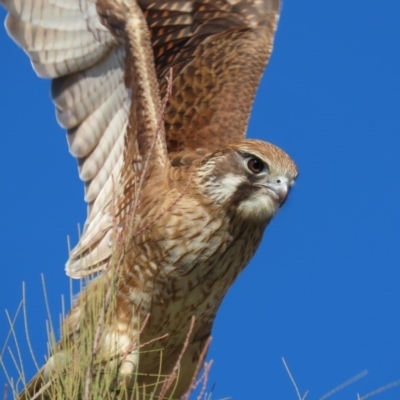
(226, 187)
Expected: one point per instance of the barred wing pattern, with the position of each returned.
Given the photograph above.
(217, 49)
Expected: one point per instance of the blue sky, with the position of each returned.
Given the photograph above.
(323, 291)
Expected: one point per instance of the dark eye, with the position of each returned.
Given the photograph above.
(255, 165)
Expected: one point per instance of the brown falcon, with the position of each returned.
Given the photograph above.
(178, 200)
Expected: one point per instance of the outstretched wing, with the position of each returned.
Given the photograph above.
(218, 50)
(66, 41)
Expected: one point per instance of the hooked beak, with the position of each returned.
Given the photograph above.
(278, 190)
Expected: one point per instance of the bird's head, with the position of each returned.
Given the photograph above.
(251, 178)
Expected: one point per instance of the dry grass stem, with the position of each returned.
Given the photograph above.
(17, 365)
(294, 382)
(46, 301)
(41, 391)
(160, 124)
(26, 326)
(379, 390)
(194, 384)
(204, 378)
(344, 384)
(95, 350)
(5, 347)
(167, 384)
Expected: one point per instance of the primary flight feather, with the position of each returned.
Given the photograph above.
(178, 199)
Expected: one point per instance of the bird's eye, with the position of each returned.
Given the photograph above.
(255, 165)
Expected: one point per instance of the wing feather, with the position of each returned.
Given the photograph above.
(55, 36)
(218, 50)
(65, 40)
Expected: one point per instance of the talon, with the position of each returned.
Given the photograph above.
(127, 371)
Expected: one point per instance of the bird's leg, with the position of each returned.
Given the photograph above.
(127, 371)
(126, 351)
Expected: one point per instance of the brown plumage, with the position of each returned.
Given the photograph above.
(176, 209)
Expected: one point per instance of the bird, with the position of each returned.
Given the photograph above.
(155, 97)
